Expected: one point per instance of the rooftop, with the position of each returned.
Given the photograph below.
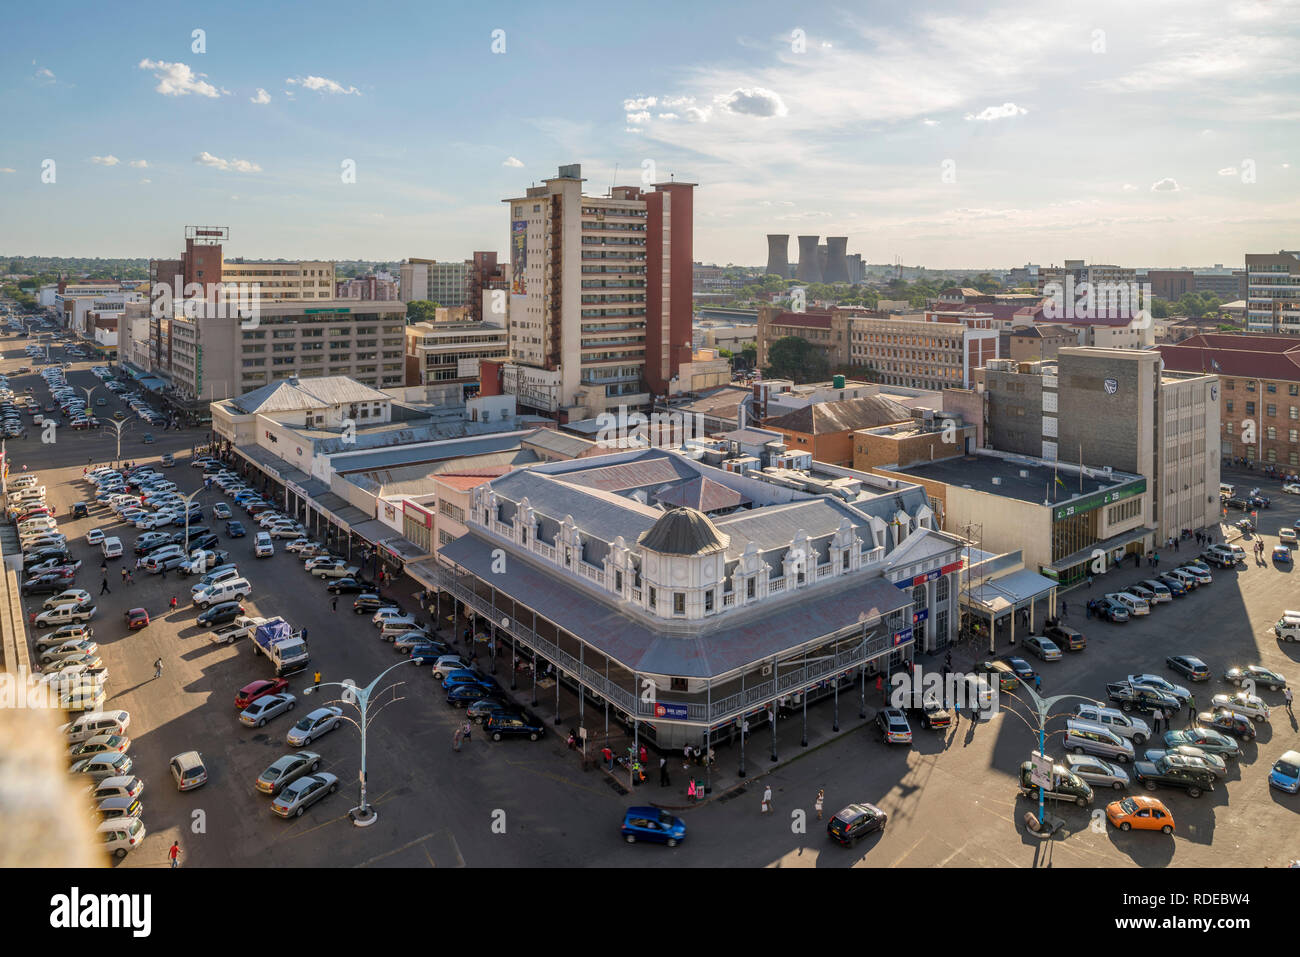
(291, 395)
(822, 418)
(1039, 483)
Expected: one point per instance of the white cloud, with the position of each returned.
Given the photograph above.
(261, 98)
(1207, 132)
(638, 103)
(1166, 185)
(642, 117)
(997, 112)
(7, 169)
(930, 122)
(46, 74)
(668, 116)
(109, 160)
(177, 79)
(232, 165)
(139, 164)
(146, 181)
(513, 162)
(752, 101)
(1130, 188)
(698, 114)
(323, 84)
(1228, 171)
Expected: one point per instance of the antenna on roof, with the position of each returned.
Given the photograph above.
(613, 180)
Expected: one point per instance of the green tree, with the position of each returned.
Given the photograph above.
(794, 358)
(421, 310)
(1159, 309)
(749, 355)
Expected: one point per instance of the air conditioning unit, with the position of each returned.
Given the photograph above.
(767, 670)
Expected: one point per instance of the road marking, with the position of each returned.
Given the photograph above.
(460, 860)
(412, 843)
(898, 860)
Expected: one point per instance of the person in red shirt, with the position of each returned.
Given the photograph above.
(174, 853)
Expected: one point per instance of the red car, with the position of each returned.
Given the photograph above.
(251, 692)
(137, 618)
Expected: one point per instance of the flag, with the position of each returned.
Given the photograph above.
(1060, 481)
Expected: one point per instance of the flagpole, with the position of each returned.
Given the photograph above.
(1080, 468)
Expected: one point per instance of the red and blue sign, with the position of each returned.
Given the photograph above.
(929, 576)
(670, 710)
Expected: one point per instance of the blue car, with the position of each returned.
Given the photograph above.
(462, 696)
(1173, 584)
(235, 530)
(652, 824)
(463, 677)
(427, 654)
(1286, 772)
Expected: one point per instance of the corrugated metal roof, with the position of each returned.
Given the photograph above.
(560, 443)
(822, 418)
(288, 395)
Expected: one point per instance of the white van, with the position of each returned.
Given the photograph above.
(112, 547)
(232, 589)
(121, 834)
(1126, 726)
(23, 481)
(1084, 737)
(29, 492)
(262, 546)
(1226, 489)
(1134, 604)
(86, 726)
(1288, 626)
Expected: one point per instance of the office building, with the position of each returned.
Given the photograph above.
(446, 283)
(369, 288)
(1273, 292)
(451, 351)
(601, 309)
(938, 351)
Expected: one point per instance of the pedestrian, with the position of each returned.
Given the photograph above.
(691, 791)
(711, 759)
(467, 729)
(316, 680)
(1087, 609)
(1290, 699)
(821, 797)
(1089, 581)
(767, 799)
(173, 606)
(103, 588)
(157, 668)
(663, 771)
(686, 758)
(1156, 720)
(334, 603)
(1065, 608)
(1038, 682)
(455, 739)
(130, 577)
(608, 755)
(1191, 709)
(123, 575)
(175, 853)
(641, 755)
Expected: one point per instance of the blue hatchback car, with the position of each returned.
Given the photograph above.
(463, 677)
(652, 824)
(1286, 772)
(463, 695)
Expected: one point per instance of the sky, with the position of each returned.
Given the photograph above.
(949, 135)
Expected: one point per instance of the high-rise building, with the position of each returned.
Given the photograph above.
(1273, 292)
(600, 310)
(489, 288)
(370, 288)
(278, 279)
(1171, 284)
(446, 283)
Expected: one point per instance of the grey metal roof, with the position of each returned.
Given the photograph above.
(600, 514)
(727, 643)
(287, 395)
(434, 452)
(559, 443)
(684, 531)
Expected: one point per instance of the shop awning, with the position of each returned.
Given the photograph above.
(1010, 591)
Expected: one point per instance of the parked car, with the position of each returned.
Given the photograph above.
(852, 823)
(518, 725)
(1044, 648)
(1258, 674)
(1094, 770)
(1173, 770)
(1206, 740)
(1065, 785)
(221, 614)
(256, 689)
(1229, 722)
(1189, 666)
(235, 530)
(1252, 706)
(893, 726)
(311, 727)
(1142, 813)
(1285, 774)
(286, 770)
(266, 707)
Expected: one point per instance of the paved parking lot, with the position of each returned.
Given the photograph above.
(950, 797)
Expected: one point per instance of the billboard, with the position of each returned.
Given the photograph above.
(518, 256)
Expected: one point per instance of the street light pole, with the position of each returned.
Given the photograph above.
(363, 815)
(118, 425)
(1042, 706)
(187, 499)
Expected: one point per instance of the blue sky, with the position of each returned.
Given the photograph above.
(1152, 133)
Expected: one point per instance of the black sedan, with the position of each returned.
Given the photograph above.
(1228, 722)
(462, 696)
(369, 603)
(350, 586)
(855, 822)
(220, 614)
(1021, 668)
(518, 725)
(1189, 666)
(235, 529)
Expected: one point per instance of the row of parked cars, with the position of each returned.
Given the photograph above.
(1138, 598)
(12, 408)
(1104, 740)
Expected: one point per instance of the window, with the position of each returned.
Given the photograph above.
(653, 597)
(1250, 385)
(1271, 455)
(1271, 388)
(1228, 405)
(1293, 389)
(1227, 427)
(708, 600)
(1272, 409)
(1271, 432)
(1250, 408)
(1293, 436)
(679, 603)
(1229, 384)
(750, 587)
(844, 559)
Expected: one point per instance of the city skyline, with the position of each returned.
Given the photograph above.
(921, 135)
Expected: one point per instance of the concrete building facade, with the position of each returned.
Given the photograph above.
(450, 351)
(1273, 292)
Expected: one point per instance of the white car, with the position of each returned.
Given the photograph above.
(120, 835)
(1292, 488)
(95, 536)
(392, 616)
(298, 544)
(1252, 706)
(73, 596)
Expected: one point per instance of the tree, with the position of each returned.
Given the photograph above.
(749, 355)
(1159, 309)
(794, 358)
(421, 310)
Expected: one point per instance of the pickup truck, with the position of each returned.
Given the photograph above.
(336, 570)
(1130, 698)
(241, 627)
(286, 648)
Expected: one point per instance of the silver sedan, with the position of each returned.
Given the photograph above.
(303, 793)
(265, 708)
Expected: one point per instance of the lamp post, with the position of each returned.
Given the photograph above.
(1041, 707)
(118, 426)
(187, 499)
(363, 815)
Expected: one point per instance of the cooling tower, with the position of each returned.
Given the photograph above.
(809, 268)
(778, 263)
(837, 266)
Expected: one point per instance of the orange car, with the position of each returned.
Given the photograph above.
(1141, 812)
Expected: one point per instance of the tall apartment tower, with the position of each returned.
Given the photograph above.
(600, 304)
(1273, 292)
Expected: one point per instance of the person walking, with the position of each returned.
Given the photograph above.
(1156, 715)
(1090, 581)
(123, 575)
(663, 771)
(103, 587)
(455, 739)
(1038, 682)
(767, 799)
(608, 755)
(316, 680)
(130, 577)
(334, 603)
(173, 603)
(1065, 608)
(821, 798)
(1191, 709)
(174, 853)
(1290, 700)
(157, 668)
